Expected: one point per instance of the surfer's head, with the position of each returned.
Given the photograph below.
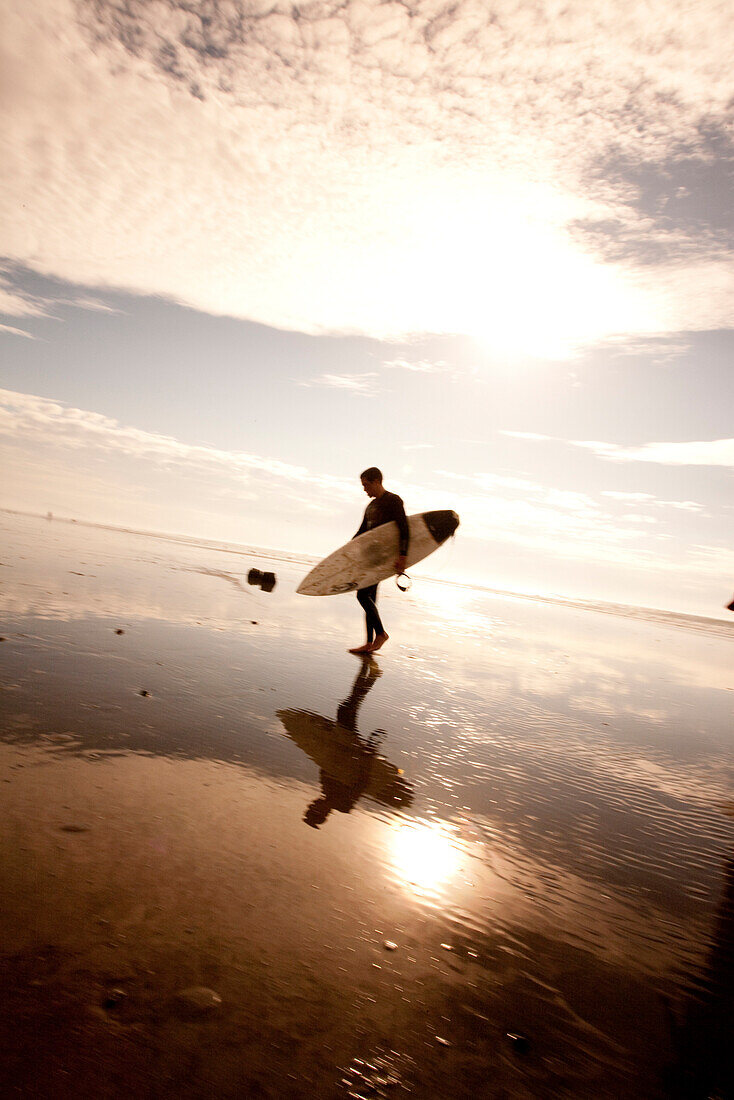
(371, 479)
(317, 813)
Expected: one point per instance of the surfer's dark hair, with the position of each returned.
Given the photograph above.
(371, 474)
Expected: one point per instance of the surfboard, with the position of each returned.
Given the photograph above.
(369, 558)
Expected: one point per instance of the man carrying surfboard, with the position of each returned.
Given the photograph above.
(384, 507)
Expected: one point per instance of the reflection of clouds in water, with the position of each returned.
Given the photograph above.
(445, 605)
(570, 654)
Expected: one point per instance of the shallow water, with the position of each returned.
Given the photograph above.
(532, 801)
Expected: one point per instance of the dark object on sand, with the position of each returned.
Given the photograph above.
(197, 999)
(114, 998)
(118, 631)
(144, 693)
(730, 606)
(519, 1042)
(266, 581)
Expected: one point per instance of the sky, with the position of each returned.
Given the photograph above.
(248, 248)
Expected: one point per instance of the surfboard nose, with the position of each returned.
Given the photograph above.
(441, 524)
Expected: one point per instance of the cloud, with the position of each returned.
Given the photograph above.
(17, 301)
(713, 452)
(651, 500)
(421, 366)
(375, 168)
(14, 302)
(16, 331)
(636, 497)
(709, 452)
(26, 417)
(683, 505)
(356, 383)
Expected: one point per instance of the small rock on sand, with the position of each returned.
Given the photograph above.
(519, 1041)
(198, 998)
(114, 997)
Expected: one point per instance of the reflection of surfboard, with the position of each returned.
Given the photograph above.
(369, 558)
(346, 757)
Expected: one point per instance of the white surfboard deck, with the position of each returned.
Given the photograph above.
(369, 558)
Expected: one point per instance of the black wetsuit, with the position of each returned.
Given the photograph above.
(381, 510)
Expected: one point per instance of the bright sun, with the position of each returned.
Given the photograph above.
(502, 266)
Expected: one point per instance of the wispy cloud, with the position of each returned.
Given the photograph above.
(27, 417)
(356, 383)
(633, 497)
(15, 301)
(16, 331)
(713, 452)
(461, 154)
(650, 499)
(707, 452)
(419, 366)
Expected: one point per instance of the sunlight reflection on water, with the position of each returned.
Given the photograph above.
(425, 857)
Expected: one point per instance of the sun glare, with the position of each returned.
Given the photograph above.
(424, 857)
(501, 266)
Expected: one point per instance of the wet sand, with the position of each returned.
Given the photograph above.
(497, 860)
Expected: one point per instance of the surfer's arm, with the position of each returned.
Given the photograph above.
(403, 530)
(397, 513)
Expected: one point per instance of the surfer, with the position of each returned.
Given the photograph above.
(384, 507)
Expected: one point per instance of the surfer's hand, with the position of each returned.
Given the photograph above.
(400, 563)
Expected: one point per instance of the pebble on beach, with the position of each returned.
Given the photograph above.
(198, 998)
(114, 998)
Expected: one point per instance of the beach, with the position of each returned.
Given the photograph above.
(497, 859)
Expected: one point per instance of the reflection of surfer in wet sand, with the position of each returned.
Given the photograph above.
(349, 765)
(383, 507)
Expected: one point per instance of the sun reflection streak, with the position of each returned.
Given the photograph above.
(424, 856)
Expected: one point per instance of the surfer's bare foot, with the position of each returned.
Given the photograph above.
(378, 642)
(366, 649)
